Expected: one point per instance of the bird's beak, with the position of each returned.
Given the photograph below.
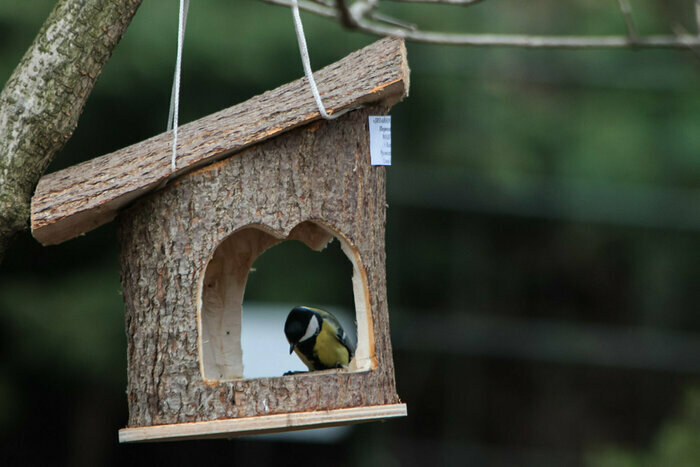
(291, 348)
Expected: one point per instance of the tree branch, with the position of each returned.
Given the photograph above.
(346, 18)
(361, 8)
(43, 99)
(626, 11)
(683, 41)
(445, 2)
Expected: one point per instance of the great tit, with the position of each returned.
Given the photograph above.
(318, 339)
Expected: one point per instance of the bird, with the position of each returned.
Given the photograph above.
(318, 338)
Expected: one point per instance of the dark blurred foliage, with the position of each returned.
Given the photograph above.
(542, 244)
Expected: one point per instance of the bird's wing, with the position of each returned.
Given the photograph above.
(340, 333)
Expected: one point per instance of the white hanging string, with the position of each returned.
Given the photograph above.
(306, 62)
(175, 94)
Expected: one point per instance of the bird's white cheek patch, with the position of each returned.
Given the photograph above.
(311, 329)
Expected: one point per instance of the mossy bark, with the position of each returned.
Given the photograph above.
(43, 99)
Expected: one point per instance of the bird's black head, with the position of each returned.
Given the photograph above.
(302, 323)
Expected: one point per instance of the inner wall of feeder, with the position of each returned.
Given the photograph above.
(223, 288)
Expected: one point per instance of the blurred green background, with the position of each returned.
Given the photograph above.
(543, 244)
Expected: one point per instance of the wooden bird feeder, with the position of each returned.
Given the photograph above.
(248, 177)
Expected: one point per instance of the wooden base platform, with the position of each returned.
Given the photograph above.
(233, 427)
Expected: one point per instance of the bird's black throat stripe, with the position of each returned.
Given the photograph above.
(307, 348)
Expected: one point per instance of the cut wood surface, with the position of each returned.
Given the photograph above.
(80, 198)
(228, 428)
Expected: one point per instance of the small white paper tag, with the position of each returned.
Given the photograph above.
(380, 140)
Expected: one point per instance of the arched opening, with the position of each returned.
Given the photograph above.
(221, 316)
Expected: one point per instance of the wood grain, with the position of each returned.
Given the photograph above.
(263, 424)
(73, 201)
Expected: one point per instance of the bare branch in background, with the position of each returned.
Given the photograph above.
(362, 13)
(326, 8)
(361, 8)
(320, 8)
(626, 11)
(679, 30)
(346, 18)
(445, 2)
(393, 21)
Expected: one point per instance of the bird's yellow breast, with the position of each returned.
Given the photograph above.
(309, 364)
(328, 348)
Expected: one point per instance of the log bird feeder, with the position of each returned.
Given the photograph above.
(247, 177)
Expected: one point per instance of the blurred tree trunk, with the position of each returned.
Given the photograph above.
(43, 99)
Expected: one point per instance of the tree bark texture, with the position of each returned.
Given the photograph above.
(318, 174)
(43, 99)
